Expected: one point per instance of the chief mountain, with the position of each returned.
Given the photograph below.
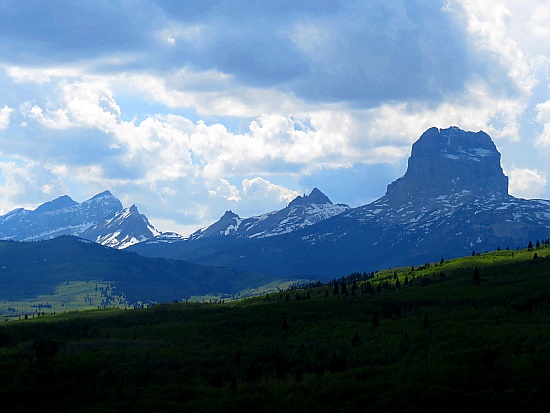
(452, 200)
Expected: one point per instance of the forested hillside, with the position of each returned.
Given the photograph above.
(469, 334)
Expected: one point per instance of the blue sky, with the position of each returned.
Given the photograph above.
(188, 109)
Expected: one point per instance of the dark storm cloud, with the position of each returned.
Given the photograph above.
(63, 31)
(363, 52)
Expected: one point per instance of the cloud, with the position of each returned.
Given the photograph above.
(27, 184)
(5, 114)
(259, 187)
(377, 51)
(489, 24)
(538, 23)
(68, 30)
(192, 34)
(543, 117)
(22, 74)
(526, 183)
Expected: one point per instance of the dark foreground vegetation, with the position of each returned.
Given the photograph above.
(471, 334)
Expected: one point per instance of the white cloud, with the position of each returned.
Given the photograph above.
(170, 225)
(56, 119)
(543, 117)
(168, 148)
(526, 183)
(539, 20)
(495, 28)
(262, 188)
(5, 114)
(87, 104)
(27, 184)
(210, 93)
(22, 74)
(474, 109)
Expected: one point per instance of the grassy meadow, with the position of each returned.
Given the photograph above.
(69, 296)
(430, 338)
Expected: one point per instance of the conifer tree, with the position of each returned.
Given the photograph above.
(375, 320)
(425, 323)
(285, 325)
(476, 280)
(354, 287)
(344, 290)
(356, 342)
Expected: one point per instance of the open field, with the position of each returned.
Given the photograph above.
(69, 296)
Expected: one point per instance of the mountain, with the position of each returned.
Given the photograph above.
(126, 228)
(452, 200)
(30, 269)
(447, 161)
(101, 219)
(303, 211)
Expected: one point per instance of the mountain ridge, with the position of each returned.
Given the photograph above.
(92, 219)
(302, 211)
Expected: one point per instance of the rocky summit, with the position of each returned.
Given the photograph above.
(101, 219)
(452, 200)
(448, 161)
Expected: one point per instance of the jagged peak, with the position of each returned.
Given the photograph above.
(102, 197)
(104, 194)
(228, 215)
(314, 197)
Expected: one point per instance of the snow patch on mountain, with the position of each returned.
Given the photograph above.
(303, 211)
(101, 219)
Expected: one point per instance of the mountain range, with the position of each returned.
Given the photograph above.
(452, 200)
(101, 219)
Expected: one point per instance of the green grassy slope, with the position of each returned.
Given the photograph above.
(445, 344)
(32, 269)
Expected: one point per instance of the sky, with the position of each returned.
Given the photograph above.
(188, 109)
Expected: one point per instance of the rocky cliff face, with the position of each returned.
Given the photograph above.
(127, 227)
(447, 161)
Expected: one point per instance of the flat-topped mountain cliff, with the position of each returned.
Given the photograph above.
(448, 161)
